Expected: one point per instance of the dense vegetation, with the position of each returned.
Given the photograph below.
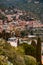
(15, 56)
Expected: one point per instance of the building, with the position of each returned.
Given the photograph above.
(13, 41)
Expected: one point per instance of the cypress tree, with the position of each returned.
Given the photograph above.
(38, 51)
(18, 42)
(33, 43)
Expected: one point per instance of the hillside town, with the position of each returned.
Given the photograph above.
(14, 19)
(17, 27)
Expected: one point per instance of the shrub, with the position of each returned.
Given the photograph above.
(29, 60)
(29, 49)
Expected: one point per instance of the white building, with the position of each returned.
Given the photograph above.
(13, 41)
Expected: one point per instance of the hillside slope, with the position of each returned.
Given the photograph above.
(34, 6)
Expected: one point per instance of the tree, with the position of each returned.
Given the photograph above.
(0, 35)
(24, 33)
(5, 35)
(38, 51)
(33, 43)
(31, 32)
(18, 42)
(29, 49)
(17, 32)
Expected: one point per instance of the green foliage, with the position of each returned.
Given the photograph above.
(29, 60)
(20, 50)
(24, 33)
(15, 55)
(29, 49)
